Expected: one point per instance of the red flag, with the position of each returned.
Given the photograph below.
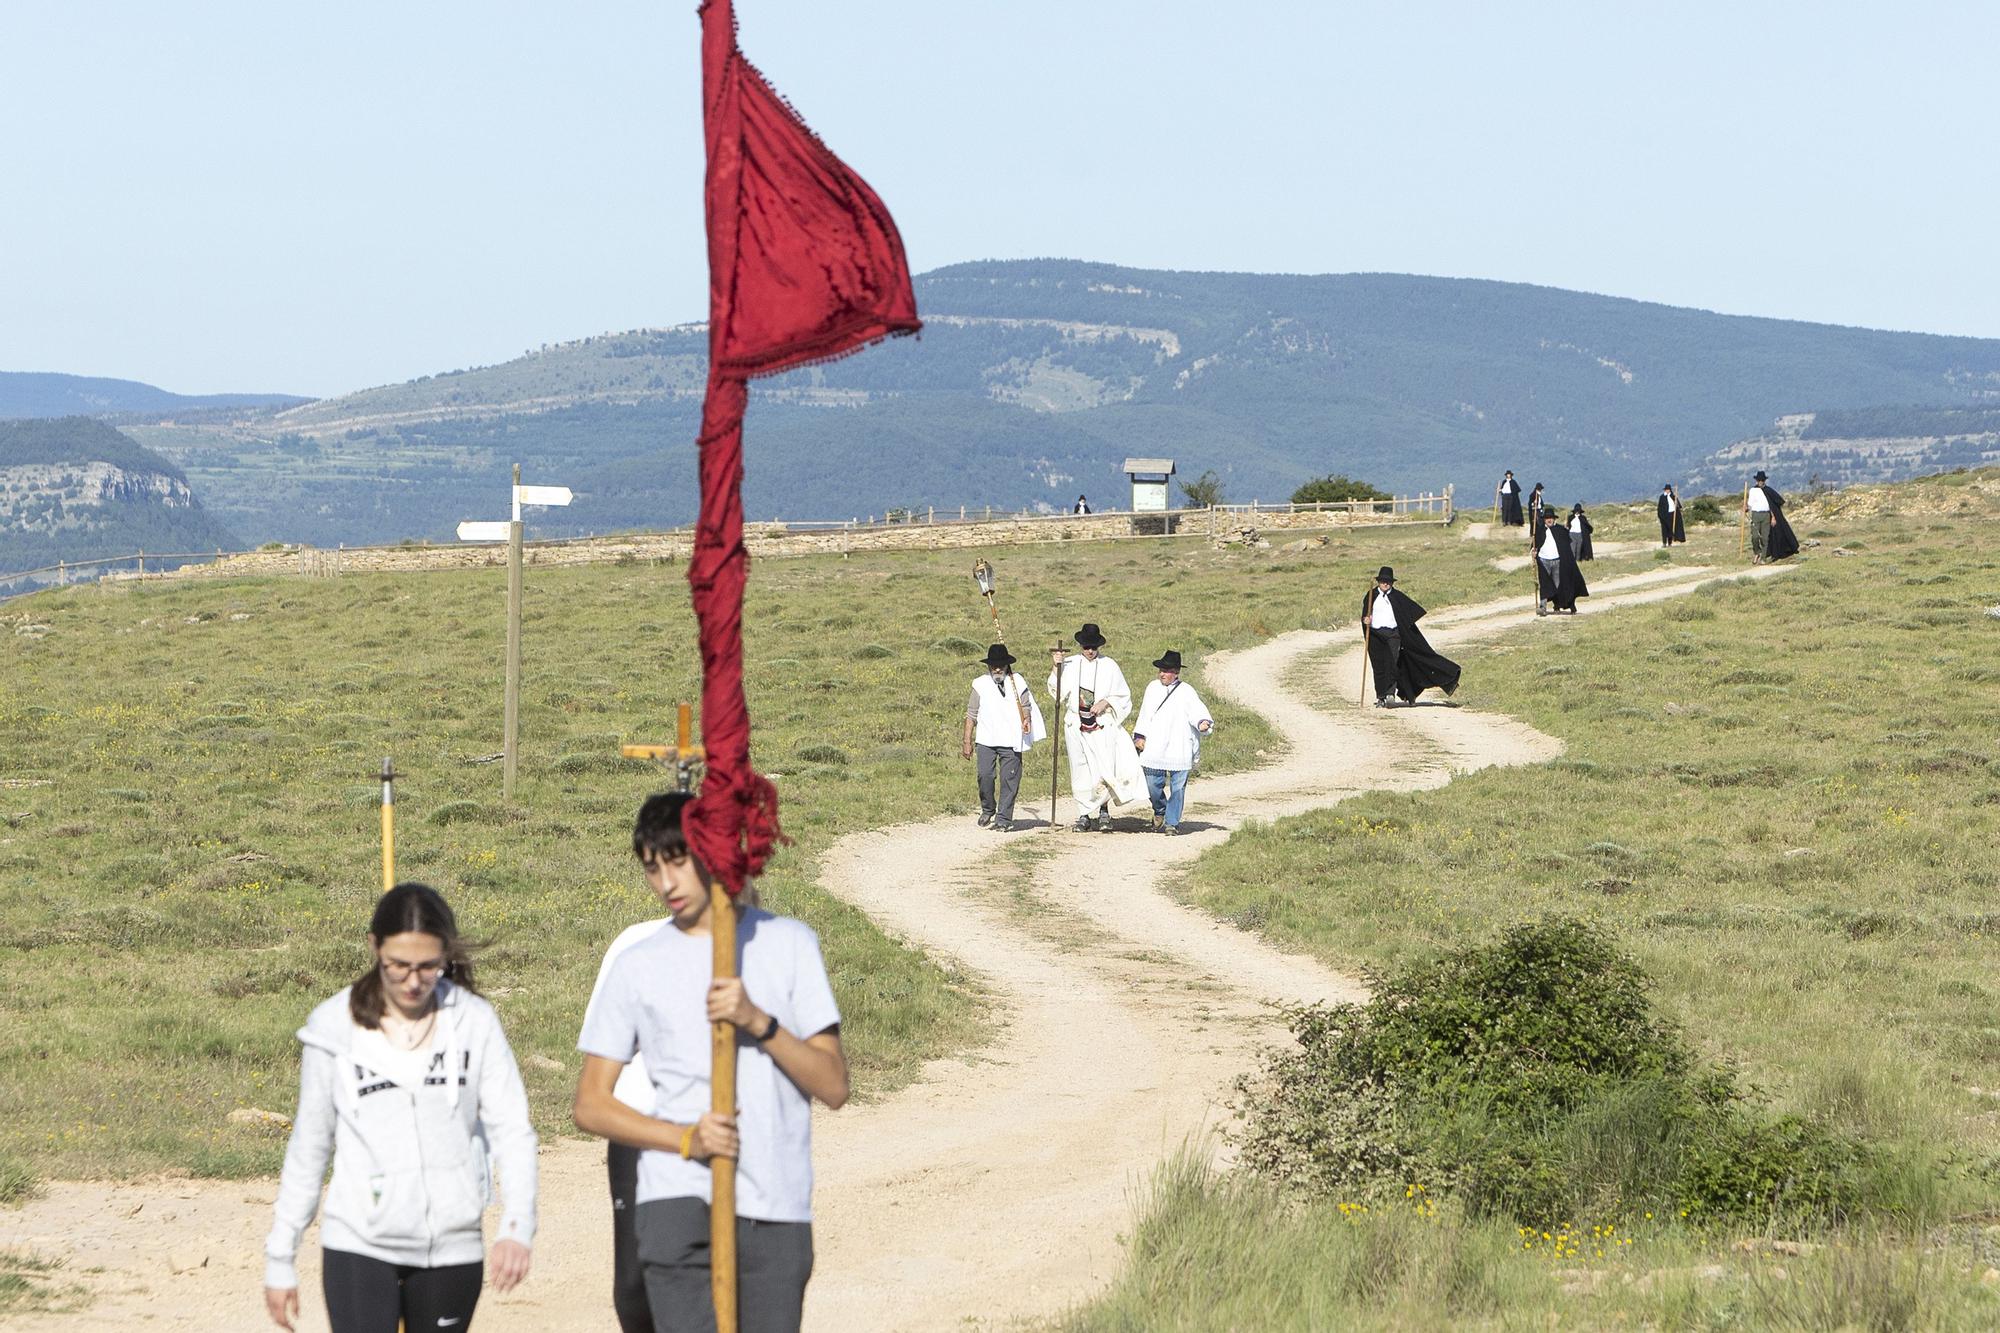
(804, 264)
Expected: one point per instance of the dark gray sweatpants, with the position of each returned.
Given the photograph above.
(773, 1262)
(1007, 760)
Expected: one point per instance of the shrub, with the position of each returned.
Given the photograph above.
(1203, 491)
(463, 812)
(1333, 487)
(17, 1182)
(1706, 509)
(1531, 1078)
(822, 754)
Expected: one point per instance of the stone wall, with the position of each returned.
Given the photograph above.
(770, 540)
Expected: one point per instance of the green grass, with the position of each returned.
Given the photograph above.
(1230, 1252)
(200, 869)
(30, 1284)
(1783, 797)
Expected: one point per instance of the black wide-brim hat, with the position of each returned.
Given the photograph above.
(1759, 477)
(1089, 637)
(1385, 575)
(1170, 660)
(998, 656)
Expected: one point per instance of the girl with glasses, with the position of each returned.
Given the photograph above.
(408, 1083)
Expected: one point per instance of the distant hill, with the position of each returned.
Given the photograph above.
(1034, 379)
(26, 394)
(1847, 447)
(74, 489)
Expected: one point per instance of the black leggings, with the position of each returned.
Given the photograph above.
(365, 1295)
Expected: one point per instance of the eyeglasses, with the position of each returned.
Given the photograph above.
(396, 970)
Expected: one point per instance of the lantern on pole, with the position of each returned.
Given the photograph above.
(982, 574)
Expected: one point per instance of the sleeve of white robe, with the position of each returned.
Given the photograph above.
(1111, 685)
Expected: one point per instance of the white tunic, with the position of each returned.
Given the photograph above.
(1672, 504)
(1548, 551)
(1759, 502)
(1381, 611)
(998, 722)
(1103, 766)
(1168, 716)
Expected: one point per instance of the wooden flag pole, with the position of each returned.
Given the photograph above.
(1743, 526)
(722, 1170)
(1496, 505)
(510, 726)
(389, 776)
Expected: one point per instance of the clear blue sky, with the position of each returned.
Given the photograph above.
(254, 195)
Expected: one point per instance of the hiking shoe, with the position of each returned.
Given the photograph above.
(1082, 824)
(1159, 822)
(1382, 702)
(1003, 826)
(1171, 830)
(985, 818)
(1104, 823)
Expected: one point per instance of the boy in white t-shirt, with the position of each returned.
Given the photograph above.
(658, 998)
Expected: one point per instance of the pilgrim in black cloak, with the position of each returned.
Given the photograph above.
(1673, 524)
(1560, 581)
(1534, 515)
(1404, 663)
(1510, 501)
(1579, 533)
(1780, 543)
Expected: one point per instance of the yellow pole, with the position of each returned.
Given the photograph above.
(722, 1170)
(1743, 525)
(388, 825)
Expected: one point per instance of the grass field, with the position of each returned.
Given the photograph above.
(1784, 798)
(190, 843)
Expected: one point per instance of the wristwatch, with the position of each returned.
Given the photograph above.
(768, 1033)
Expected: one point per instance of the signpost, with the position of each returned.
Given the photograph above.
(476, 530)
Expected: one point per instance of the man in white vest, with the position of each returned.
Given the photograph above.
(1002, 722)
(1172, 721)
(1094, 701)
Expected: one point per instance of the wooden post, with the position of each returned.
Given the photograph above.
(61, 577)
(142, 554)
(722, 1170)
(388, 824)
(1743, 525)
(511, 724)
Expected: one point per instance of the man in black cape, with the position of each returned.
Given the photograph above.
(1560, 581)
(1404, 662)
(1771, 536)
(1535, 507)
(1673, 527)
(1510, 501)
(1579, 533)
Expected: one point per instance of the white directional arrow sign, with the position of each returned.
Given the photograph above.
(542, 495)
(495, 531)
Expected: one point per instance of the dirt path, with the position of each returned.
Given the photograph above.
(995, 1188)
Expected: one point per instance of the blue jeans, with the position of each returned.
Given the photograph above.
(1168, 789)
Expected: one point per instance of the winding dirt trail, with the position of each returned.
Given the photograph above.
(996, 1187)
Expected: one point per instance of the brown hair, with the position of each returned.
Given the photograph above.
(409, 909)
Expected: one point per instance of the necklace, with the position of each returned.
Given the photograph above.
(407, 1035)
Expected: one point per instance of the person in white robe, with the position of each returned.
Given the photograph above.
(1172, 721)
(1094, 701)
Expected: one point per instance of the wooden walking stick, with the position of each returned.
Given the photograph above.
(389, 776)
(1058, 735)
(1366, 610)
(1496, 504)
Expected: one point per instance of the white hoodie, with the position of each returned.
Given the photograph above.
(411, 1172)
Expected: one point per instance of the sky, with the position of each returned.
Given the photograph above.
(248, 196)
